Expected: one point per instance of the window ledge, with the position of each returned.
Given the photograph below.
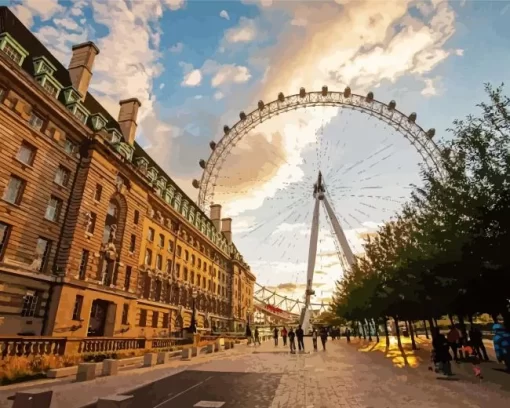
(52, 221)
(23, 164)
(10, 203)
(89, 234)
(59, 185)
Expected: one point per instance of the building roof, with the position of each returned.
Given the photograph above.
(9, 23)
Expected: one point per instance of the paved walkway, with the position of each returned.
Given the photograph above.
(269, 377)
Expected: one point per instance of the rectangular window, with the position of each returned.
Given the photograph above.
(143, 317)
(127, 278)
(185, 274)
(179, 251)
(155, 318)
(186, 255)
(53, 209)
(62, 176)
(12, 53)
(170, 246)
(136, 217)
(26, 153)
(82, 271)
(159, 262)
(50, 88)
(125, 314)
(14, 190)
(5, 230)
(150, 235)
(91, 223)
(35, 121)
(166, 320)
(69, 146)
(98, 192)
(132, 243)
(177, 270)
(148, 257)
(78, 304)
(161, 241)
(30, 302)
(42, 250)
(169, 266)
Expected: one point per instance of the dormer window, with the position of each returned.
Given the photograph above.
(98, 121)
(79, 111)
(43, 66)
(152, 174)
(69, 146)
(143, 164)
(160, 186)
(71, 95)
(115, 136)
(169, 194)
(12, 49)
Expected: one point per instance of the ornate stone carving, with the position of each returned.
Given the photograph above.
(150, 212)
(159, 217)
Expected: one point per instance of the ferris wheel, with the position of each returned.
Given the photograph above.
(356, 184)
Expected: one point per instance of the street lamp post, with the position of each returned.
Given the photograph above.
(193, 324)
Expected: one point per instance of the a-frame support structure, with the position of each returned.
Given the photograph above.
(319, 194)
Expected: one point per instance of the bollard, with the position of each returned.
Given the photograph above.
(194, 351)
(210, 348)
(86, 372)
(186, 354)
(232, 344)
(116, 401)
(227, 345)
(35, 399)
(110, 367)
(163, 357)
(150, 359)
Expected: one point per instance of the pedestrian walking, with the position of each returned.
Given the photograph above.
(324, 338)
(292, 340)
(284, 336)
(442, 357)
(502, 345)
(300, 338)
(257, 336)
(348, 335)
(248, 335)
(454, 341)
(275, 336)
(476, 338)
(314, 338)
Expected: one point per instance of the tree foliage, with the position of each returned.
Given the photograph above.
(445, 252)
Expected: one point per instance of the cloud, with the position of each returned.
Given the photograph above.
(161, 86)
(44, 9)
(382, 44)
(192, 78)
(459, 52)
(66, 23)
(430, 88)
(176, 48)
(219, 95)
(285, 227)
(230, 74)
(245, 31)
(224, 14)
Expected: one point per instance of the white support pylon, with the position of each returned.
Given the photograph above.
(319, 195)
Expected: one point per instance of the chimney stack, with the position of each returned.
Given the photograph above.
(80, 67)
(127, 119)
(226, 228)
(216, 216)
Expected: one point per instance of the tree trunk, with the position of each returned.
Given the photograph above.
(433, 328)
(414, 329)
(376, 329)
(426, 330)
(462, 325)
(386, 334)
(470, 319)
(397, 329)
(367, 322)
(451, 319)
(407, 326)
(364, 333)
(411, 331)
(435, 322)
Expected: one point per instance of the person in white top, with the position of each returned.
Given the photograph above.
(314, 338)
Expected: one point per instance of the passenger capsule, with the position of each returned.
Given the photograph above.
(347, 92)
(370, 97)
(412, 117)
(226, 129)
(324, 90)
(201, 162)
(281, 97)
(261, 105)
(302, 92)
(242, 115)
(195, 183)
(212, 145)
(392, 105)
(431, 133)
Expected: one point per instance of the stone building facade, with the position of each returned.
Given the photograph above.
(95, 238)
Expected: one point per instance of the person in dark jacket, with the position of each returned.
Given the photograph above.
(442, 355)
(300, 338)
(275, 336)
(476, 338)
(292, 340)
(324, 338)
(257, 336)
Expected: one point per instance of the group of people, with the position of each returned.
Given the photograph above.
(471, 348)
(299, 335)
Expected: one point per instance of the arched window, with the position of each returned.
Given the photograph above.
(111, 222)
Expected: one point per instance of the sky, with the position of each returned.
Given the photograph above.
(195, 65)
